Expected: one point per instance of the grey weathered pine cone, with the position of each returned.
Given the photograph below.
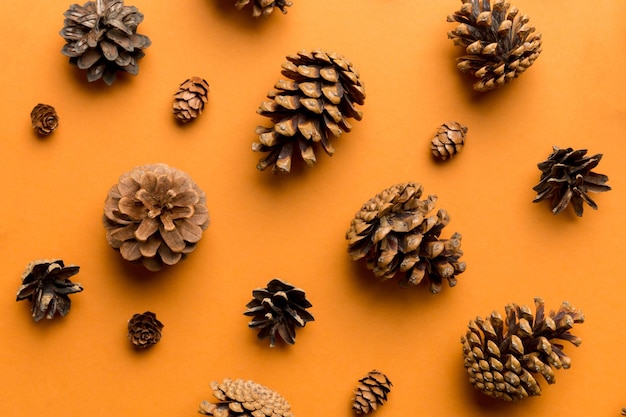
(395, 235)
(567, 177)
(46, 284)
(504, 356)
(264, 7)
(499, 42)
(449, 140)
(371, 392)
(144, 330)
(189, 99)
(155, 215)
(309, 109)
(101, 37)
(246, 399)
(44, 119)
(277, 310)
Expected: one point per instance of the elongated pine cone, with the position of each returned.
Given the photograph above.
(144, 330)
(190, 98)
(101, 37)
(44, 119)
(264, 7)
(46, 284)
(246, 399)
(309, 109)
(566, 177)
(504, 356)
(500, 43)
(395, 235)
(155, 215)
(277, 310)
(370, 392)
(449, 140)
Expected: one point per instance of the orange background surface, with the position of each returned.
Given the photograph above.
(292, 227)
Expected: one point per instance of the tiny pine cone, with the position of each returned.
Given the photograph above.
(449, 140)
(144, 330)
(370, 392)
(189, 99)
(44, 119)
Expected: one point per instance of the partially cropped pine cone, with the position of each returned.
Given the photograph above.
(101, 37)
(277, 310)
(264, 7)
(309, 109)
(190, 98)
(46, 284)
(246, 399)
(499, 42)
(395, 235)
(44, 119)
(505, 356)
(449, 140)
(370, 392)
(155, 214)
(144, 330)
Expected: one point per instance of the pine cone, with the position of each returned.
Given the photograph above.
(278, 309)
(499, 42)
(44, 119)
(394, 234)
(311, 107)
(566, 177)
(144, 330)
(190, 99)
(46, 284)
(503, 356)
(449, 140)
(264, 7)
(245, 399)
(101, 37)
(371, 392)
(155, 215)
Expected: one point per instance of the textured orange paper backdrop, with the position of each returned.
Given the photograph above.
(293, 227)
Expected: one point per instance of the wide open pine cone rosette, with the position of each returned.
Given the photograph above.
(395, 234)
(155, 215)
(310, 108)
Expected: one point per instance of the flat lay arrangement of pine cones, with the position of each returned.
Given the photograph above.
(371, 392)
(245, 398)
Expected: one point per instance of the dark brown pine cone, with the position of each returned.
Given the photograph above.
(44, 119)
(371, 392)
(144, 330)
(189, 99)
(246, 399)
(264, 7)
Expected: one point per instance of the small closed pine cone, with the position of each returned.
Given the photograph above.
(144, 330)
(395, 235)
(101, 37)
(155, 215)
(277, 310)
(504, 356)
(46, 284)
(246, 399)
(44, 119)
(449, 140)
(370, 392)
(309, 109)
(264, 7)
(566, 177)
(190, 99)
(500, 43)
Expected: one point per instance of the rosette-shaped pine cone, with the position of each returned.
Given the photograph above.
(499, 42)
(144, 330)
(449, 140)
(44, 119)
(246, 399)
(264, 7)
(566, 177)
(310, 108)
(101, 37)
(155, 215)
(395, 234)
(370, 392)
(505, 356)
(277, 310)
(46, 284)
(190, 98)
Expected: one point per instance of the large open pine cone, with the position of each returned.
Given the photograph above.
(101, 37)
(566, 177)
(394, 234)
(246, 399)
(370, 392)
(310, 108)
(499, 42)
(264, 7)
(503, 356)
(155, 214)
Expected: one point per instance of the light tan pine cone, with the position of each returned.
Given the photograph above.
(370, 392)
(44, 119)
(449, 140)
(246, 399)
(189, 99)
(264, 7)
